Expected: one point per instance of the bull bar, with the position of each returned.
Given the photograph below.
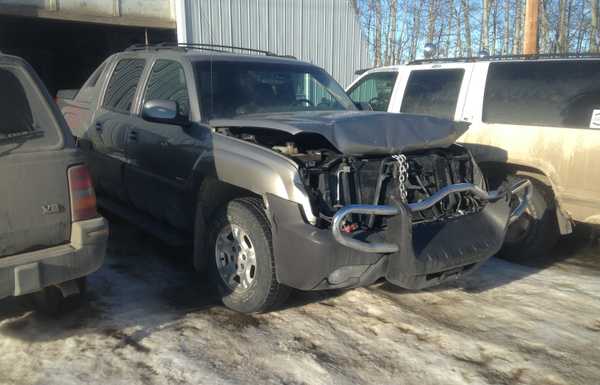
(389, 210)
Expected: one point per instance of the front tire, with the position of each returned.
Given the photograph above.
(241, 257)
(536, 232)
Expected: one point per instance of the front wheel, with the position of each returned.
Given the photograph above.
(242, 260)
(536, 232)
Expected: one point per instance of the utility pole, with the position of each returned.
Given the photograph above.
(530, 46)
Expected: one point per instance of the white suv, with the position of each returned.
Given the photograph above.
(537, 117)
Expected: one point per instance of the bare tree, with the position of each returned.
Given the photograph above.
(506, 35)
(594, 26)
(517, 35)
(392, 30)
(467, 22)
(458, 50)
(416, 28)
(484, 34)
(563, 24)
(377, 37)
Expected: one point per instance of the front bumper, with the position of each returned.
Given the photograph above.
(30, 272)
(410, 256)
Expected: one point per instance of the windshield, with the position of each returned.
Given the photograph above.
(239, 88)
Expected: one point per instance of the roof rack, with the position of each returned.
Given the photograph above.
(363, 70)
(571, 55)
(204, 47)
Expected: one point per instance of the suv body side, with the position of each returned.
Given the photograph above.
(560, 157)
(168, 170)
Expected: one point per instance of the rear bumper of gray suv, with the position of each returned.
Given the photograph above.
(30, 272)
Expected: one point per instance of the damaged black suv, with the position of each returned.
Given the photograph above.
(278, 178)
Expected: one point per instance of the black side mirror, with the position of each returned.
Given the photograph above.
(363, 106)
(163, 111)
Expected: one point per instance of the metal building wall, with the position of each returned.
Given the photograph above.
(323, 32)
(143, 13)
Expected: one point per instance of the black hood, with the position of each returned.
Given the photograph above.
(359, 132)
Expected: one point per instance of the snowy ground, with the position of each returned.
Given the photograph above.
(148, 320)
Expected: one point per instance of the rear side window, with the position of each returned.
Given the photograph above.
(122, 85)
(26, 121)
(552, 93)
(91, 86)
(433, 92)
(167, 82)
(375, 88)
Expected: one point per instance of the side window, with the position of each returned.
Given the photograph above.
(375, 89)
(27, 121)
(551, 93)
(433, 92)
(90, 87)
(122, 85)
(167, 82)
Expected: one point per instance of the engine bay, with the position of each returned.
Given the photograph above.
(334, 180)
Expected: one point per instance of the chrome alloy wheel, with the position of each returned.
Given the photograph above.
(235, 257)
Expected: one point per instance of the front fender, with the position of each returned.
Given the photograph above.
(256, 169)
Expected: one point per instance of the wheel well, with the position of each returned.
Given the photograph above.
(496, 172)
(212, 194)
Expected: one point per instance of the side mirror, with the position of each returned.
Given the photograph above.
(363, 106)
(162, 111)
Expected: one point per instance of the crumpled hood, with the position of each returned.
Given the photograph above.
(359, 132)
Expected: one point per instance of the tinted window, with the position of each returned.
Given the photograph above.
(376, 89)
(87, 91)
(123, 83)
(228, 89)
(167, 82)
(26, 121)
(433, 92)
(560, 93)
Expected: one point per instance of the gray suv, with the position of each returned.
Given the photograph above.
(278, 178)
(51, 236)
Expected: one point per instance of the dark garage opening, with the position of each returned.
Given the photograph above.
(65, 53)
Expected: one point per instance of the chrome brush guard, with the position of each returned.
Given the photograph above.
(388, 210)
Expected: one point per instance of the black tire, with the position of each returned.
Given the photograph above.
(51, 302)
(536, 232)
(264, 293)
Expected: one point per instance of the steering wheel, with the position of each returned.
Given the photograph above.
(308, 102)
(375, 101)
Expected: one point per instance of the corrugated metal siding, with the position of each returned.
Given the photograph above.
(323, 32)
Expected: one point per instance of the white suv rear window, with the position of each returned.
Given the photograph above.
(550, 93)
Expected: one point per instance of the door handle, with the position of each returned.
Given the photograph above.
(133, 135)
(164, 143)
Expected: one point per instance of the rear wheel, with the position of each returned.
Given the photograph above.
(536, 232)
(242, 263)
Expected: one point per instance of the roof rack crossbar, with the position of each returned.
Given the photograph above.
(202, 46)
(570, 55)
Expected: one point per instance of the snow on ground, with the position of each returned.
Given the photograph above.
(149, 320)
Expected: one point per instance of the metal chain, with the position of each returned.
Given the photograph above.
(402, 174)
